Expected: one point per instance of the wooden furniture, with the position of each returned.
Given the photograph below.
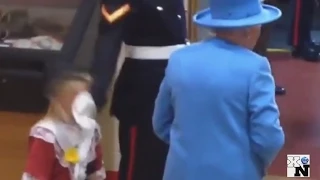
(25, 71)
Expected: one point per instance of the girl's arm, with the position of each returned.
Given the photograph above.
(41, 156)
(95, 169)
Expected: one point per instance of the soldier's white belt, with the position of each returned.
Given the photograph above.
(151, 52)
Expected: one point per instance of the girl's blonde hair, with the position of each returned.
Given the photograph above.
(56, 84)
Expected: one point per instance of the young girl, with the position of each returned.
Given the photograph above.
(64, 145)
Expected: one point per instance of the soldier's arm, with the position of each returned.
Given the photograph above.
(107, 49)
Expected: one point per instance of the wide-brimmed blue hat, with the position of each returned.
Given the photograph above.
(236, 13)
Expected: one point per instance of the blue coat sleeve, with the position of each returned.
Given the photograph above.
(163, 113)
(267, 136)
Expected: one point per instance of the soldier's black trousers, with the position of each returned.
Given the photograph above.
(143, 154)
(301, 26)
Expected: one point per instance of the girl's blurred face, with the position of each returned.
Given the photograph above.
(64, 99)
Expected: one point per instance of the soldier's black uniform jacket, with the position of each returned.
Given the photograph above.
(149, 23)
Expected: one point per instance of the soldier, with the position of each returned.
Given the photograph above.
(151, 30)
(300, 34)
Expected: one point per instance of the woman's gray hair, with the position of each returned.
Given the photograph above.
(228, 30)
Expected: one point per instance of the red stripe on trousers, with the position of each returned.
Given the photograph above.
(132, 152)
(297, 22)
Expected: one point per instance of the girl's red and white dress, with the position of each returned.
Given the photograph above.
(49, 142)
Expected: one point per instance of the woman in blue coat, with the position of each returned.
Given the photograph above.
(216, 105)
